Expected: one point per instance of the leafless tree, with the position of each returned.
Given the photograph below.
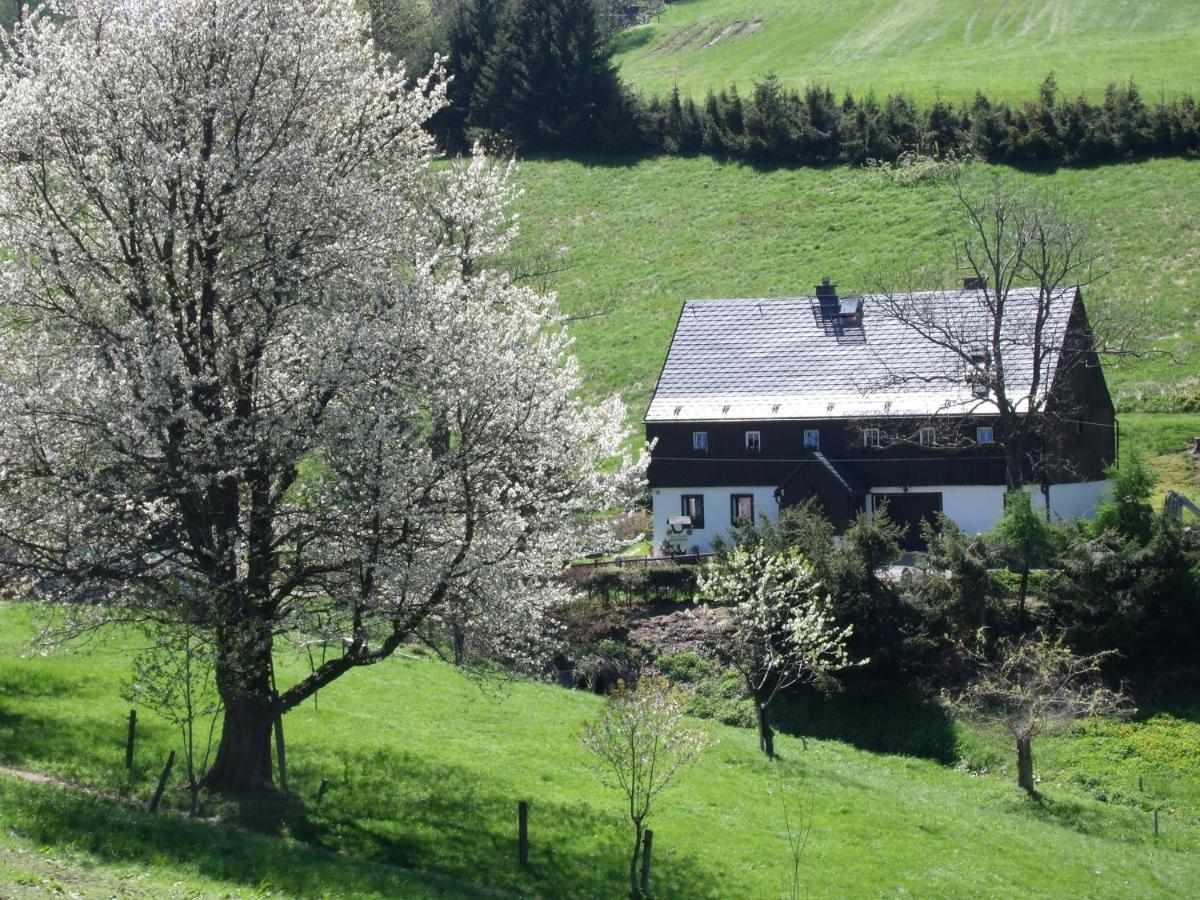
(1007, 356)
(1033, 685)
(799, 830)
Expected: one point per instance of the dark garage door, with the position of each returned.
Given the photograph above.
(911, 510)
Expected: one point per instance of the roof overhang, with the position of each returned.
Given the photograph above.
(815, 408)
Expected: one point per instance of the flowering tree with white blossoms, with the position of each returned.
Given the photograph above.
(256, 373)
(782, 632)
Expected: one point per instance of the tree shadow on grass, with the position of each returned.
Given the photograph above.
(385, 806)
(113, 833)
(1091, 819)
(393, 807)
(900, 722)
(75, 741)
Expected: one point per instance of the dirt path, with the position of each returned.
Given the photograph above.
(39, 778)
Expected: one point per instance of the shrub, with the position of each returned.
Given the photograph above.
(1141, 599)
(712, 691)
(669, 582)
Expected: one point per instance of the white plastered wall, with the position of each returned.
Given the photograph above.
(976, 508)
(668, 502)
(1077, 500)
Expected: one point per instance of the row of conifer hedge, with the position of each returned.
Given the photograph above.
(776, 125)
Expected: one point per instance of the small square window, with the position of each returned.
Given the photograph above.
(984, 434)
(693, 505)
(812, 439)
(700, 441)
(754, 441)
(741, 509)
(927, 436)
(870, 437)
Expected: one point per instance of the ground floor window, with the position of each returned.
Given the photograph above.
(985, 435)
(741, 509)
(693, 506)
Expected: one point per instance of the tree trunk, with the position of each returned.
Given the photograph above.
(766, 736)
(1014, 471)
(1022, 592)
(243, 675)
(1025, 765)
(459, 639)
(243, 760)
(635, 891)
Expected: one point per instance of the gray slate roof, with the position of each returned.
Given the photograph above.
(783, 359)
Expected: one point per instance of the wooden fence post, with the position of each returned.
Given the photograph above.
(646, 844)
(282, 753)
(130, 738)
(523, 833)
(162, 782)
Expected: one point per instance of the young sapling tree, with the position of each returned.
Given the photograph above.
(174, 677)
(642, 740)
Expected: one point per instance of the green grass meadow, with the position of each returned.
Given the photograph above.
(641, 236)
(925, 48)
(426, 768)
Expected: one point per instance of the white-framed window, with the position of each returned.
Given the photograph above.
(927, 436)
(754, 441)
(812, 439)
(700, 441)
(870, 437)
(741, 509)
(985, 434)
(693, 505)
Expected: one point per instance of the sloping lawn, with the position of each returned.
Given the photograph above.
(427, 767)
(927, 48)
(641, 236)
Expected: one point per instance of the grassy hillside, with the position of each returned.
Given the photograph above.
(426, 770)
(55, 841)
(642, 236)
(927, 48)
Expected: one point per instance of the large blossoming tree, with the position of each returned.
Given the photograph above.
(256, 371)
